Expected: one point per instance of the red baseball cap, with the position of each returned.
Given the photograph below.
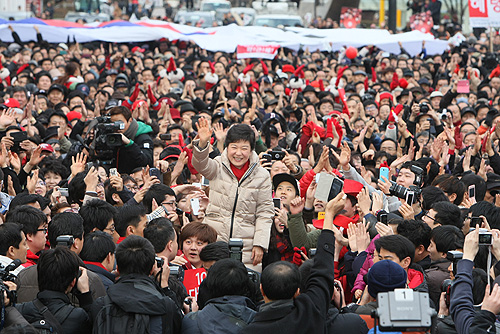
(137, 49)
(175, 113)
(47, 147)
(288, 68)
(12, 103)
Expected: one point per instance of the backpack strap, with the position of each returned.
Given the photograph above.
(44, 310)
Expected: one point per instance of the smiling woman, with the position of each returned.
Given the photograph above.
(240, 190)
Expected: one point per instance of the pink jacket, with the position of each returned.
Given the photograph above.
(360, 284)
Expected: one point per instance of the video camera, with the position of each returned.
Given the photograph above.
(5, 275)
(65, 241)
(403, 310)
(105, 139)
(236, 249)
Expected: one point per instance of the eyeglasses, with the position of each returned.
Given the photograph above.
(44, 230)
(112, 229)
(433, 219)
(168, 203)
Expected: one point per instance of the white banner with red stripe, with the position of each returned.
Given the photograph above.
(257, 51)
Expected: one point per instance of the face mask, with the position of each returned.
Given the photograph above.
(462, 100)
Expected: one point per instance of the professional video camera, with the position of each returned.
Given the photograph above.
(403, 310)
(5, 275)
(406, 193)
(105, 139)
(236, 252)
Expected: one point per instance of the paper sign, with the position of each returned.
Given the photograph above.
(193, 279)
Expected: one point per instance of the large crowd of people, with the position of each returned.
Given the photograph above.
(169, 189)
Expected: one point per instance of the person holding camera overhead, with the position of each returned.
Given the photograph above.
(241, 205)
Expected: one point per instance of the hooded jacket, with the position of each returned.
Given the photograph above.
(237, 209)
(139, 152)
(139, 294)
(228, 314)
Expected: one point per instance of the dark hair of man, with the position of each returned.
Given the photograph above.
(451, 185)
(202, 232)
(280, 280)
(227, 277)
(215, 251)
(158, 193)
(97, 246)
(77, 188)
(431, 195)
(488, 210)
(135, 255)
(478, 181)
(126, 216)
(31, 218)
(418, 232)
(97, 214)
(65, 223)
(159, 232)
(396, 244)
(447, 238)
(120, 110)
(238, 133)
(479, 280)
(25, 198)
(10, 235)
(57, 268)
(448, 213)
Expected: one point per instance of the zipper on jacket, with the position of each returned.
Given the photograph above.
(249, 171)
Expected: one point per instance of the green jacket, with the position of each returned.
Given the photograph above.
(298, 234)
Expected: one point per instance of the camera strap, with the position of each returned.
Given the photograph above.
(489, 265)
(44, 310)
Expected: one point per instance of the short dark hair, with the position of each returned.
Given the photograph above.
(280, 280)
(240, 132)
(158, 193)
(56, 269)
(432, 195)
(31, 218)
(451, 185)
(97, 246)
(126, 216)
(447, 238)
(396, 244)
(135, 255)
(120, 110)
(54, 166)
(488, 210)
(478, 181)
(418, 232)
(227, 277)
(97, 214)
(65, 223)
(159, 232)
(25, 199)
(77, 188)
(203, 232)
(215, 251)
(448, 213)
(10, 235)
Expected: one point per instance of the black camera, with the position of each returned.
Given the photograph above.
(424, 108)
(446, 288)
(236, 249)
(159, 262)
(5, 275)
(176, 272)
(454, 257)
(277, 155)
(65, 240)
(402, 192)
(105, 138)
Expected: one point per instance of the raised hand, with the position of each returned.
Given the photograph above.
(297, 205)
(78, 163)
(204, 132)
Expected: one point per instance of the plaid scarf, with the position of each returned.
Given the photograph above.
(284, 247)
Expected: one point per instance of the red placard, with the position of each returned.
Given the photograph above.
(350, 17)
(193, 279)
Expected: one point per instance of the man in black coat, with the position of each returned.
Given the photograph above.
(136, 303)
(58, 270)
(286, 308)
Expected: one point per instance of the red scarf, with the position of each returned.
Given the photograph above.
(120, 239)
(98, 264)
(284, 247)
(239, 172)
(31, 259)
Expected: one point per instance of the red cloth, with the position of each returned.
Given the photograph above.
(239, 172)
(96, 264)
(31, 259)
(415, 278)
(120, 239)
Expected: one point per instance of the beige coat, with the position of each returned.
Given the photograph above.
(247, 205)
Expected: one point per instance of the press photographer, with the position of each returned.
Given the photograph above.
(136, 146)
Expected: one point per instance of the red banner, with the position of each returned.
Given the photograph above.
(257, 51)
(193, 279)
(422, 22)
